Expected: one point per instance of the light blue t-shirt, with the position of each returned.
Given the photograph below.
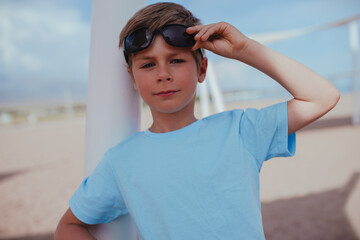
(199, 182)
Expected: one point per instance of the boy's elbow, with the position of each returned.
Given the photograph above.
(70, 227)
(334, 98)
(331, 99)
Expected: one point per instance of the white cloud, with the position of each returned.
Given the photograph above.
(42, 43)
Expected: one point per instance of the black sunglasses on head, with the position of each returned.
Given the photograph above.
(174, 34)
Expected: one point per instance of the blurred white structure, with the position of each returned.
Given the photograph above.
(216, 95)
(32, 118)
(6, 118)
(204, 99)
(354, 46)
(113, 107)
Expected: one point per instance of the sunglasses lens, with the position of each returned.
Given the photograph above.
(176, 35)
(173, 34)
(138, 40)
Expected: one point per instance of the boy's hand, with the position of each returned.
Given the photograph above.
(221, 38)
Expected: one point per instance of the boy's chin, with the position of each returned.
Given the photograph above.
(168, 110)
(165, 111)
(172, 107)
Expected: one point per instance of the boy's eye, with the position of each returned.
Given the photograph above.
(177, 61)
(147, 65)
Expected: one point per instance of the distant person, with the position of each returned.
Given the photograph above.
(185, 178)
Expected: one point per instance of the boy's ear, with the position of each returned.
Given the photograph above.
(202, 70)
(132, 78)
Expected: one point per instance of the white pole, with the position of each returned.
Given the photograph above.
(204, 99)
(216, 94)
(113, 106)
(354, 45)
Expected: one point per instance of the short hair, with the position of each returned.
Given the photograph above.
(155, 16)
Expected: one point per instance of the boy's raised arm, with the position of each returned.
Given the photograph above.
(313, 95)
(70, 227)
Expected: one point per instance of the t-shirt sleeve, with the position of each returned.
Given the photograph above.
(98, 199)
(265, 132)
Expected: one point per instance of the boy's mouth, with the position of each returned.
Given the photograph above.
(166, 93)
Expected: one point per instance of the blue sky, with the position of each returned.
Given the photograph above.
(44, 45)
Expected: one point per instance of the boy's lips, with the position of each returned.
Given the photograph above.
(166, 93)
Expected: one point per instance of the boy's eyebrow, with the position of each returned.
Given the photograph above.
(148, 57)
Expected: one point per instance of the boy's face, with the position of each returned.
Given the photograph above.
(166, 76)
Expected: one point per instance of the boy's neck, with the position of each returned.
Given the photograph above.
(167, 122)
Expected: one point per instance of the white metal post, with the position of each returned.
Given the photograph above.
(113, 106)
(354, 46)
(204, 99)
(216, 93)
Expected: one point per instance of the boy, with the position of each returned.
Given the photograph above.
(185, 178)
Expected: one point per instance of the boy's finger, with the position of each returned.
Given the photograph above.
(201, 44)
(206, 33)
(194, 29)
(197, 45)
(200, 34)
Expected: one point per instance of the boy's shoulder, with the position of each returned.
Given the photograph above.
(250, 116)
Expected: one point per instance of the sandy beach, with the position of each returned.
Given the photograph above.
(309, 196)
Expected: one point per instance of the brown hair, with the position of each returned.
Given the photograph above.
(157, 15)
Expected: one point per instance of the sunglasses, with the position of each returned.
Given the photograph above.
(174, 34)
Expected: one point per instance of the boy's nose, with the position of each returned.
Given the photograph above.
(164, 75)
(164, 79)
